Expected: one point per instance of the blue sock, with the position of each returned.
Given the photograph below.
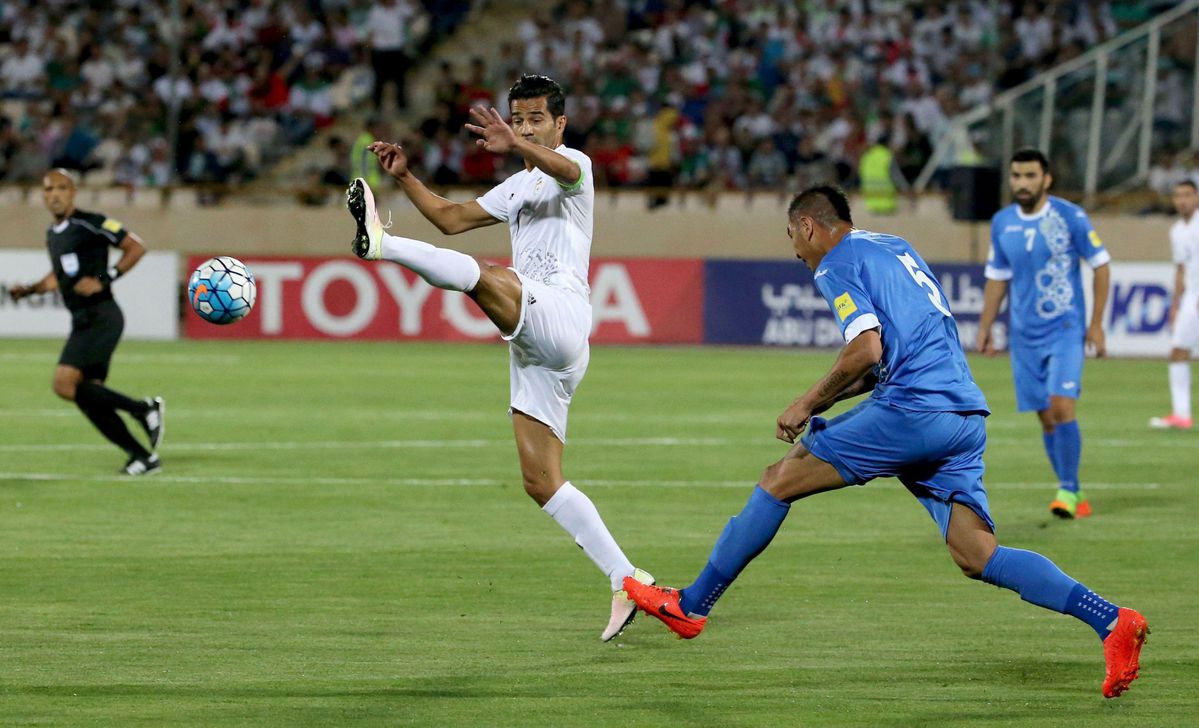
(1067, 444)
(1051, 451)
(745, 536)
(1038, 581)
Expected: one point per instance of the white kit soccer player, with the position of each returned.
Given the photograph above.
(1184, 307)
(540, 305)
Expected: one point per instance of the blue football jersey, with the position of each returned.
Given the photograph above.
(1039, 254)
(871, 280)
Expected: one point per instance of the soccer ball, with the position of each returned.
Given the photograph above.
(222, 290)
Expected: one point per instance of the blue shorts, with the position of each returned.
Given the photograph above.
(1054, 368)
(938, 456)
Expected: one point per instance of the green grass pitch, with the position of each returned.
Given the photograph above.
(340, 537)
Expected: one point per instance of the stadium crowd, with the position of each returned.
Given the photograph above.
(744, 94)
(92, 85)
(693, 94)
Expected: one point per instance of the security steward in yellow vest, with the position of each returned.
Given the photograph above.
(878, 187)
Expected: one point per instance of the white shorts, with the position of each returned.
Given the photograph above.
(1186, 323)
(548, 352)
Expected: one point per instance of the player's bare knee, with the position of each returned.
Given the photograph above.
(540, 489)
(971, 565)
(773, 479)
(64, 388)
(972, 570)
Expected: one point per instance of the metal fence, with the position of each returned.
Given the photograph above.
(1101, 118)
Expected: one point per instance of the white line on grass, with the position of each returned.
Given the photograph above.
(276, 480)
(1168, 440)
(375, 444)
(130, 358)
(504, 442)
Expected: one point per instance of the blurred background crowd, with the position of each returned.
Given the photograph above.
(665, 94)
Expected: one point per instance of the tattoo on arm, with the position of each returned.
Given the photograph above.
(833, 384)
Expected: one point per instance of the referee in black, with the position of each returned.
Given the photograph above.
(78, 243)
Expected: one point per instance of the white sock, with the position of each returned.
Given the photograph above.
(575, 512)
(1180, 388)
(442, 268)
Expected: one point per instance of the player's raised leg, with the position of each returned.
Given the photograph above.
(685, 612)
(1039, 581)
(540, 453)
(441, 267)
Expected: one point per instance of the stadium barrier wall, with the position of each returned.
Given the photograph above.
(684, 301)
(634, 301)
(737, 227)
(148, 295)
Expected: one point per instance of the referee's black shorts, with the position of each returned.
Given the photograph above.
(95, 331)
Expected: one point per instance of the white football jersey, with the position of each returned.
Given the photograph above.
(1184, 242)
(551, 225)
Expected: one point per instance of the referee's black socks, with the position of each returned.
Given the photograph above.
(110, 424)
(90, 395)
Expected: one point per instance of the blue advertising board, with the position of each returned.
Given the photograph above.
(775, 303)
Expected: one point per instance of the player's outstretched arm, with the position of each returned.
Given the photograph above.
(500, 138)
(450, 217)
(852, 368)
(993, 294)
(1096, 339)
(45, 285)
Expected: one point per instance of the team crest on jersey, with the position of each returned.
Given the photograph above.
(70, 264)
(111, 225)
(845, 305)
(1094, 238)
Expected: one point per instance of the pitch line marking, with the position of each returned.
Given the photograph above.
(475, 482)
(505, 442)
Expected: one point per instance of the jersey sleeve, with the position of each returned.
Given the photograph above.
(585, 181)
(495, 201)
(110, 229)
(998, 268)
(1086, 241)
(853, 309)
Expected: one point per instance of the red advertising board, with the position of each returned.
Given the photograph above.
(633, 301)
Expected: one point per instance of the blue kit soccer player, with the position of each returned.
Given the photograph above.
(924, 424)
(1036, 244)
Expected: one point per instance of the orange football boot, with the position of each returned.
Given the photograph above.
(662, 603)
(1122, 652)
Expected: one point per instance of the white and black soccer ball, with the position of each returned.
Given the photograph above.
(222, 290)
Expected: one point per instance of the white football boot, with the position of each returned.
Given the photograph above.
(368, 241)
(623, 608)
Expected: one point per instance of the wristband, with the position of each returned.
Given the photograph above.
(113, 273)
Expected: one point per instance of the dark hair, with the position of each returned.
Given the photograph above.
(1029, 154)
(826, 204)
(1187, 183)
(531, 86)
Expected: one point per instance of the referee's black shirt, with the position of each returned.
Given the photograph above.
(79, 247)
